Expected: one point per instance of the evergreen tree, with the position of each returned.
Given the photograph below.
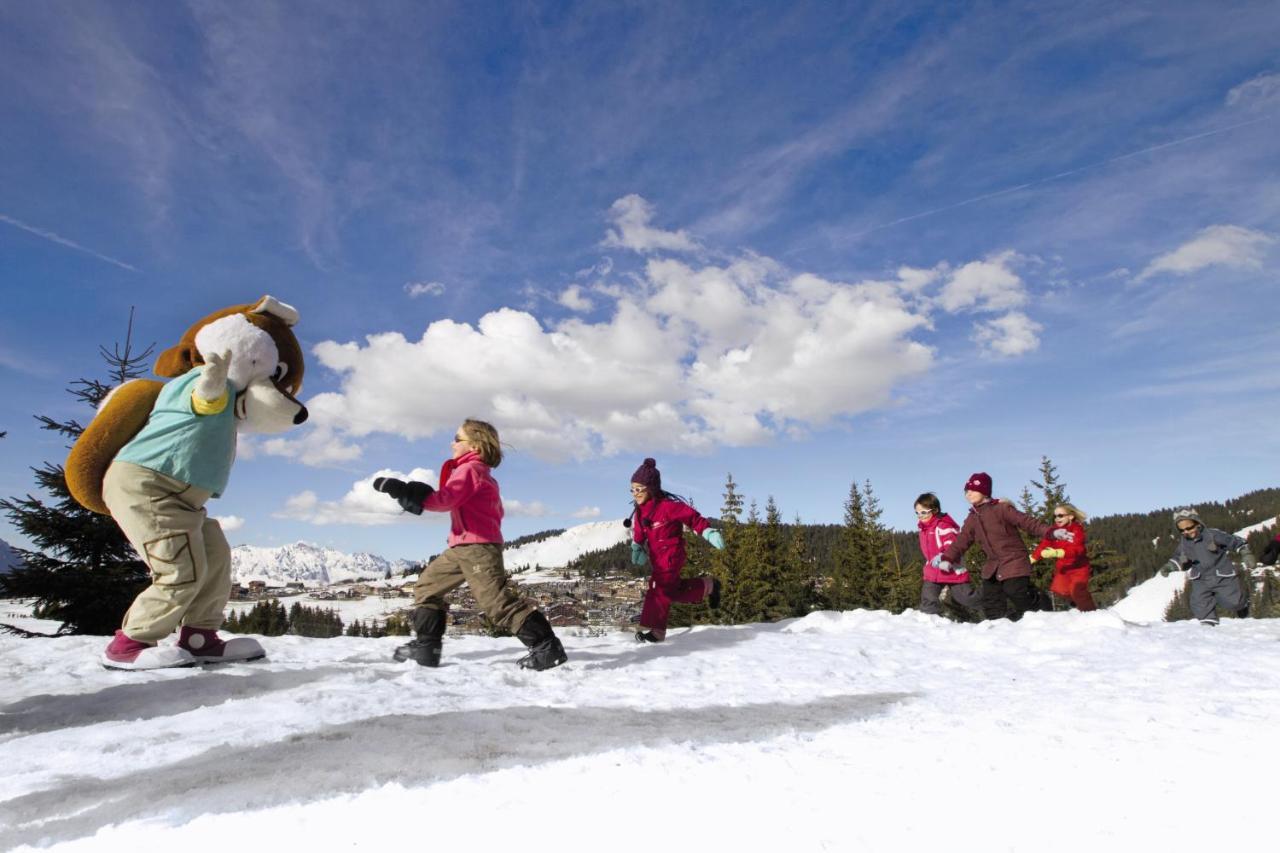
(724, 564)
(85, 573)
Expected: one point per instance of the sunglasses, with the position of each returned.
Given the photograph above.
(1062, 515)
(923, 513)
(1188, 529)
(458, 438)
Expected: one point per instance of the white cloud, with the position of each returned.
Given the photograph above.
(229, 522)
(361, 505)
(690, 357)
(586, 512)
(1217, 245)
(573, 298)
(317, 446)
(630, 216)
(1013, 334)
(1261, 91)
(989, 285)
(424, 288)
(530, 509)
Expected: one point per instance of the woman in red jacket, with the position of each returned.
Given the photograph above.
(657, 538)
(1071, 572)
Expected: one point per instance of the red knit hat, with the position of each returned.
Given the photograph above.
(979, 482)
(648, 476)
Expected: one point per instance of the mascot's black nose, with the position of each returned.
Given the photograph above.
(301, 417)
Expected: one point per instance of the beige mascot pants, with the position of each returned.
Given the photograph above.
(190, 560)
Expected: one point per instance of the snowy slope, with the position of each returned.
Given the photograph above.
(558, 551)
(839, 731)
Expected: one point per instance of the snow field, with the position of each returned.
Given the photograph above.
(836, 731)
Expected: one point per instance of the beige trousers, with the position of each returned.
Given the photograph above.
(480, 567)
(190, 560)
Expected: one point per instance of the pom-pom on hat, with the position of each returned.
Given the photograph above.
(979, 482)
(647, 475)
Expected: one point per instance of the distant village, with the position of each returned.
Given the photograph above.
(601, 603)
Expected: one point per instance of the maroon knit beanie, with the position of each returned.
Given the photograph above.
(648, 476)
(979, 482)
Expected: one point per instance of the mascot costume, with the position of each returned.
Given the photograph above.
(157, 451)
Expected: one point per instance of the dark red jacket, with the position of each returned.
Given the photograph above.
(994, 525)
(658, 525)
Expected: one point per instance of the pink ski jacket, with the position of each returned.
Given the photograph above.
(469, 494)
(936, 533)
(658, 524)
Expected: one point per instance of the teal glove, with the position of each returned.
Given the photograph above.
(714, 537)
(638, 556)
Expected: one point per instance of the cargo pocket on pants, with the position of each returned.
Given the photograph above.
(171, 560)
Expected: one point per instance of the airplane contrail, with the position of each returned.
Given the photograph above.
(1060, 175)
(63, 241)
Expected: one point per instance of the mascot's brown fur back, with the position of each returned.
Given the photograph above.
(119, 419)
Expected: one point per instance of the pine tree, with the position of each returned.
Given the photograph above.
(85, 573)
(724, 564)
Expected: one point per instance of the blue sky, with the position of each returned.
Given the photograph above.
(803, 243)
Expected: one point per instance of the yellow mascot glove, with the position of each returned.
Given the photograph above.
(1053, 553)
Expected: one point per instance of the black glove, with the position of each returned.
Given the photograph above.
(409, 495)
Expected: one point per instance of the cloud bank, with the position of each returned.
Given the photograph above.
(691, 356)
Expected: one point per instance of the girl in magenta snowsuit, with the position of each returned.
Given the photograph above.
(937, 531)
(657, 538)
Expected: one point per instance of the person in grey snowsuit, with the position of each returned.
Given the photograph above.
(1204, 554)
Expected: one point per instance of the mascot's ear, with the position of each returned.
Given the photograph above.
(176, 361)
(287, 314)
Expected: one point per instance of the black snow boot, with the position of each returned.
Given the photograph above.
(713, 598)
(545, 650)
(425, 650)
(647, 637)
(1243, 612)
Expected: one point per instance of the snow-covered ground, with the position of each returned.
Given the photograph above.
(839, 731)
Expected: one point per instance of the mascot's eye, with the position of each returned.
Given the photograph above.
(282, 370)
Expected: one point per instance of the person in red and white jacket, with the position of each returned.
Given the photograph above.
(937, 531)
(469, 493)
(1072, 570)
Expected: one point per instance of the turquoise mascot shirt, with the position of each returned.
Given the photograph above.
(196, 449)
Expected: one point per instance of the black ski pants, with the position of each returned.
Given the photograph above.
(1008, 598)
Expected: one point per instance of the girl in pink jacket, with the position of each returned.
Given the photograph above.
(469, 493)
(657, 538)
(937, 531)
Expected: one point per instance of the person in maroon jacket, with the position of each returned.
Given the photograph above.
(1006, 575)
(1072, 570)
(657, 539)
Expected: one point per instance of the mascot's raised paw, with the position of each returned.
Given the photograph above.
(157, 452)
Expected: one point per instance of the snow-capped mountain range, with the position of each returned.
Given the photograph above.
(313, 565)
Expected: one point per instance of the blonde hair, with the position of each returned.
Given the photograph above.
(484, 438)
(1077, 513)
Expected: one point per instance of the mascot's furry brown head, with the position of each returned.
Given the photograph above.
(265, 368)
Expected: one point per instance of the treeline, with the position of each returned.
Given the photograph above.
(270, 619)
